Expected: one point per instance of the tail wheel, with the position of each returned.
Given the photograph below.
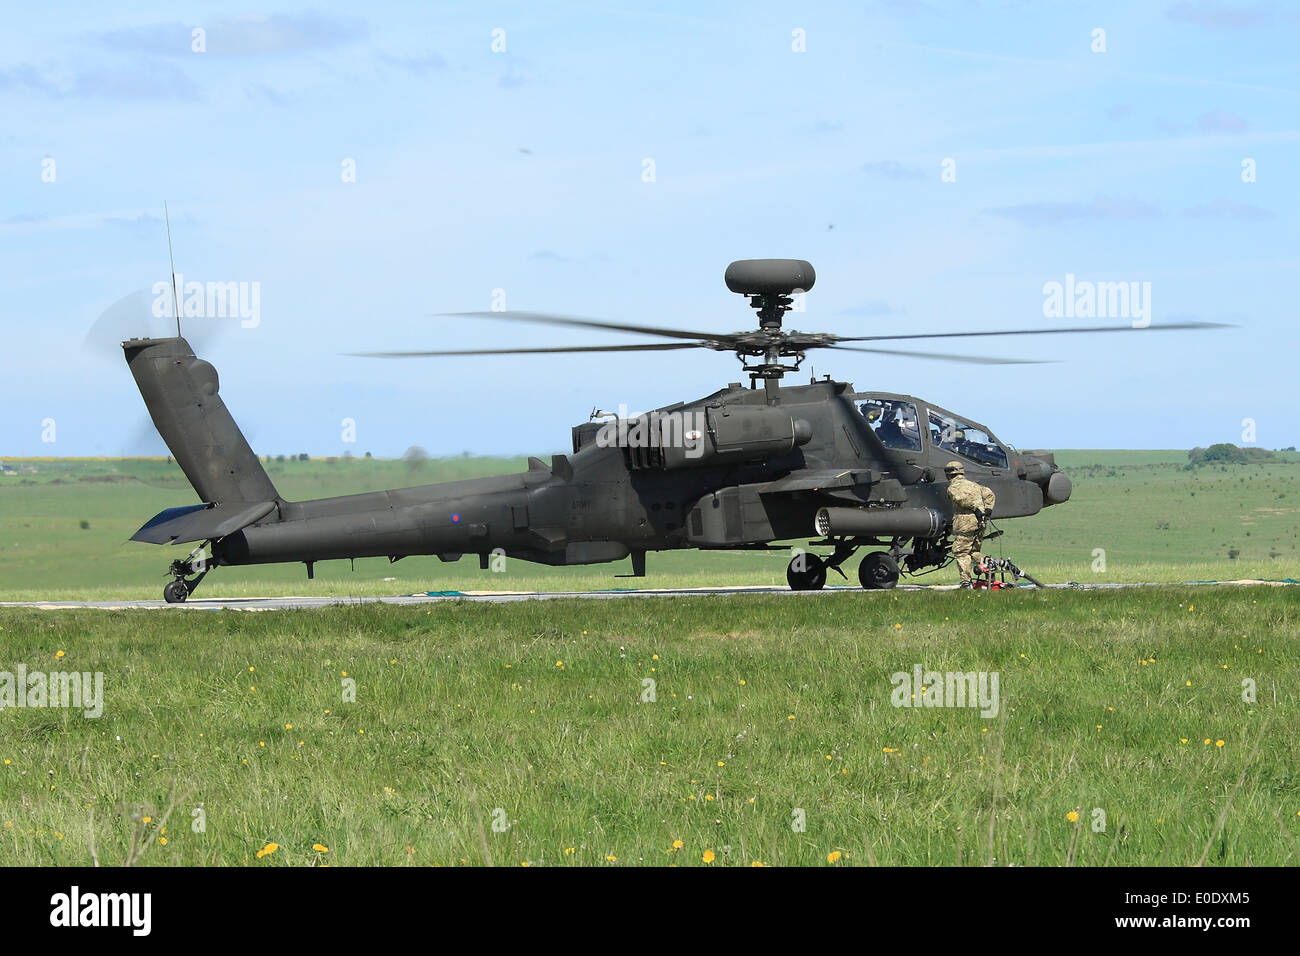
(878, 571)
(176, 592)
(806, 572)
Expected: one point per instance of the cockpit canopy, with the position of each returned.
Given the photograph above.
(895, 421)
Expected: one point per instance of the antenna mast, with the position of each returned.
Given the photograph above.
(176, 303)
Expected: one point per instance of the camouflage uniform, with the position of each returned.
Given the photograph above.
(967, 498)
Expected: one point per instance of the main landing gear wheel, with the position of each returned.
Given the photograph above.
(878, 571)
(806, 572)
(176, 592)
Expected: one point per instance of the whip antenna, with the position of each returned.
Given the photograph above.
(176, 303)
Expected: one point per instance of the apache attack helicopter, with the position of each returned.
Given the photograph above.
(742, 468)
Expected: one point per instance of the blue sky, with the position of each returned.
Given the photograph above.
(522, 170)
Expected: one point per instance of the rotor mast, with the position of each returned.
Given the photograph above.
(770, 285)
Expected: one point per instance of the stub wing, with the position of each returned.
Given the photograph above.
(201, 522)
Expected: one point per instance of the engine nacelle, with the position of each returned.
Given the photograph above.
(698, 437)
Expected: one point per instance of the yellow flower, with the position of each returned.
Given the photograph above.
(319, 848)
(611, 859)
(678, 844)
(708, 856)
(1207, 740)
(1183, 739)
(59, 654)
(654, 657)
(162, 840)
(721, 764)
(559, 663)
(288, 726)
(1218, 743)
(790, 717)
(251, 667)
(268, 849)
(742, 681)
(833, 856)
(146, 820)
(890, 750)
(758, 863)
(1189, 683)
(898, 625)
(569, 851)
(708, 796)
(1072, 816)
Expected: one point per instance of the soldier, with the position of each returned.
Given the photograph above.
(971, 504)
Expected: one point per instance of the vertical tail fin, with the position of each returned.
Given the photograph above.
(180, 391)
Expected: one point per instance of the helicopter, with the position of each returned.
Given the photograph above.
(744, 468)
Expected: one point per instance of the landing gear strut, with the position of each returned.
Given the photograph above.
(179, 588)
(879, 570)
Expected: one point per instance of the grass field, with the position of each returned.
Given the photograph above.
(768, 707)
(1153, 520)
(1127, 709)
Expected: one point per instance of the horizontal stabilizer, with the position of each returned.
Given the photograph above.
(201, 522)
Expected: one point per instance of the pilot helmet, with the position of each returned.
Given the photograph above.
(954, 468)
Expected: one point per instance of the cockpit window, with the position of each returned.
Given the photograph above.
(894, 422)
(968, 441)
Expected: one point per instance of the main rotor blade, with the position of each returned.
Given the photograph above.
(543, 318)
(647, 347)
(1167, 327)
(944, 356)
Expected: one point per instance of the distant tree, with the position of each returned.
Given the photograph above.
(279, 458)
(415, 456)
(1225, 453)
(368, 455)
(303, 456)
(347, 456)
